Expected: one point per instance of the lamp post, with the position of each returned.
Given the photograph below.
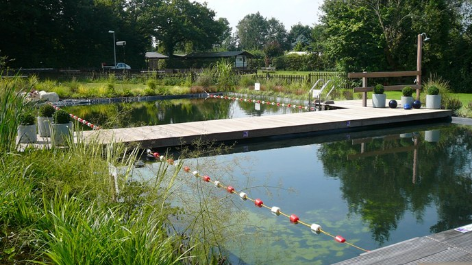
(114, 45)
(421, 38)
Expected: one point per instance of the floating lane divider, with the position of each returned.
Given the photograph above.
(278, 104)
(315, 228)
(84, 122)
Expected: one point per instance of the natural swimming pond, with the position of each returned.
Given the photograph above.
(374, 188)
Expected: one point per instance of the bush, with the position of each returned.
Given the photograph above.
(453, 104)
(61, 117)
(246, 81)
(407, 91)
(26, 118)
(46, 110)
(378, 89)
(433, 90)
(149, 91)
(151, 84)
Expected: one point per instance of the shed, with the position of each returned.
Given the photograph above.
(152, 59)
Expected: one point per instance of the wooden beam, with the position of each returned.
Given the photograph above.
(383, 74)
(386, 88)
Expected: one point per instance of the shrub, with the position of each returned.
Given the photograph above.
(46, 110)
(149, 91)
(61, 117)
(453, 104)
(151, 84)
(26, 118)
(246, 81)
(378, 89)
(433, 90)
(407, 91)
(469, 105)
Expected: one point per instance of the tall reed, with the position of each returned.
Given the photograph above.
(11, 105)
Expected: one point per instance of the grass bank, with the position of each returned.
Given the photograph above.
(60, 205)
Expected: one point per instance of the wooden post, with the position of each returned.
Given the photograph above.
(415, 160)
(364, 94)
(418, 64)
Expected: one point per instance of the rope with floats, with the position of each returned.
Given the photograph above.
(278, 104)
(315, 228)
(84, 122)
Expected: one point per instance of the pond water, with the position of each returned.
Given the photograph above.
(133, 114)
(374, 188)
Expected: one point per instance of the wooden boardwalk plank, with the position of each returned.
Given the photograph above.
(448, 246)
(353, 115)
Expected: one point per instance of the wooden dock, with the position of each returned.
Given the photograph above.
(351, 116)
(448, 247)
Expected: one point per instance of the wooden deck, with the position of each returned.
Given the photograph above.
(448, 247)
(353, 116)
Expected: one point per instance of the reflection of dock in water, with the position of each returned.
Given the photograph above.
(448, 247)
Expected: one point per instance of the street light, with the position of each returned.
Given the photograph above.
(421, 38)
(123, 44)
(114, 46)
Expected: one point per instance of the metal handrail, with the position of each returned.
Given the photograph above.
(310, 93)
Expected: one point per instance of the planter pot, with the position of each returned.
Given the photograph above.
(61, 133)
(431, 136)
(407, 100)
(378, 100)
(27, 134)
(43, 126)
(433, 101)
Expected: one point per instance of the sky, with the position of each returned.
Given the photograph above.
(289, 12)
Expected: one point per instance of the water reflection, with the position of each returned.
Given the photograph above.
(383, 177)
(375, 188)
(133, 114)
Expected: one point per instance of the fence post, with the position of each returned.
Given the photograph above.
(364, 94)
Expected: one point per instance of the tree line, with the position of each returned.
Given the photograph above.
(352, 35)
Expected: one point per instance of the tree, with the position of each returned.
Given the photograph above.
(300, 36)
(276, 33)
(271, 50)
(373, 35)
(252, 31)
(179, 22)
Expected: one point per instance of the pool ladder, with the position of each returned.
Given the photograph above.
(316, 93)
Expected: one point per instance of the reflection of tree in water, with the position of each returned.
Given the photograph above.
(125, 115)
(378, 183)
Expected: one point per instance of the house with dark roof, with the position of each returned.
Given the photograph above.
(240, 57)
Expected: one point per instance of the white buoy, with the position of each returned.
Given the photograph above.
(275, 210)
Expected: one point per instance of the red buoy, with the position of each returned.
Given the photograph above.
(278, 104)
(156, 155)
(258, 202)
(186, 169)
(294, 219)
(340, 239)
(230, 189)
(206, 178)
(289, 105)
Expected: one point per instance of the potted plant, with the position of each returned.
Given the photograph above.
(406, 96)
(378, 97)
(61, 128)
(27, 128)
(45, 119)
(433, 99)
